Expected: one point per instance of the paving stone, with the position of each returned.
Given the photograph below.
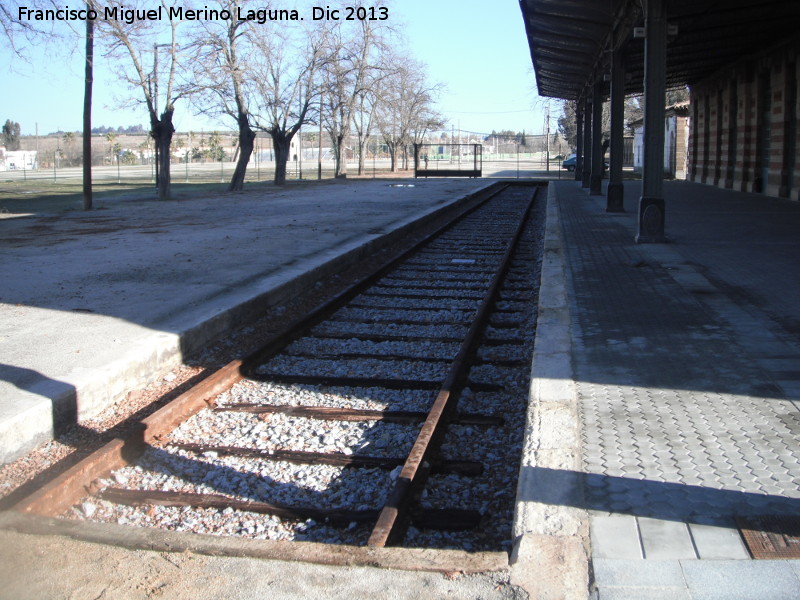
(678, 390)
(718, 542)
(665, 540)
(615, 537)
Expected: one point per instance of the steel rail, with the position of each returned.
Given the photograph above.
(392, 522)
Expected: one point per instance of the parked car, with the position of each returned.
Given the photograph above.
(569, 163)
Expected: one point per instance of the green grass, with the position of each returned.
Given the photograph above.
(40, 196)
(43, 196)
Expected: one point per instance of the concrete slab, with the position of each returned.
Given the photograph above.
(615, 536)
(622, 573)
(93, 304)
(644, 594)
(665, 540)
(718, 542)
(741, 580)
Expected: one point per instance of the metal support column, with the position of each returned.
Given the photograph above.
(579, 141)
(614, 201)
(596, 181)
(651, 203)
(587, 142)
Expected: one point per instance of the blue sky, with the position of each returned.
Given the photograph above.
(477, 49)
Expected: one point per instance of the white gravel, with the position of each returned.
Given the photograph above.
(325, 346)
(356, 367)
(394, 329)
(402, 316)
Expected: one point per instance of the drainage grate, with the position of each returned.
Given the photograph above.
(771, 537)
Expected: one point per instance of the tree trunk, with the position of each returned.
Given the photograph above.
(362, 142)
(341, 157)
(246, 144)
(161, 131)
(392, 155)
(281, 143)
(87, 115)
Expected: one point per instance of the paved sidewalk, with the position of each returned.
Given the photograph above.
(686, 358)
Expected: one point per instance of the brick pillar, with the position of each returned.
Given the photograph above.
(747, 132)
(706, 142)
(777, 130)
(718, 136)
(789, 131)
(693, 138)
(579, 140)
(794, 158)
(681, 147)
(733, 133)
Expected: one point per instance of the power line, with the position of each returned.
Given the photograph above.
(498, 112)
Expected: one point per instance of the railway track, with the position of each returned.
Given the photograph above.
(391, 415)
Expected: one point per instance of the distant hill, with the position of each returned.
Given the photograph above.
(120, 129)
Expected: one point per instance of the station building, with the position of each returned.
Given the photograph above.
(744, 132)
(739, 59)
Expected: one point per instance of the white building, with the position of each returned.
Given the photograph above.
(18, 160)
(676, 141)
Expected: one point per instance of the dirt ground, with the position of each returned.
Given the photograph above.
(34, 567)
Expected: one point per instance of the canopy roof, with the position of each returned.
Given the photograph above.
(571, 40)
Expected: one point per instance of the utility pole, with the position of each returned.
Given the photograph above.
(155, 104)
(459, 147)
(300, 139)
(547, 135)
(319, 153)
(87, 113)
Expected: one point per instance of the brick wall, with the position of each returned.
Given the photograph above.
(744, 126)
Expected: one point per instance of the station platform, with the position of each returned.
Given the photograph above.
(684, 372)
(95, 304)
(664, 394)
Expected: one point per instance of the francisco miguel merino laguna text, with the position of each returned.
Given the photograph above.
(261, 15)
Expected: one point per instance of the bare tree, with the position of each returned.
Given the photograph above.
(407, 113)
(19, 31)
(369, 102)
(282, 84)
(22, 32)
(353, 57)
(363, 122)
(221, 64)
(140, 38)
(567, 122)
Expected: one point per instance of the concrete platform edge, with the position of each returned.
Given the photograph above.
(335, 260)
(551, 551)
